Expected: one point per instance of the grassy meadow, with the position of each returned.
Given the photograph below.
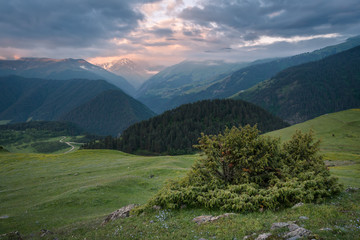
(70, 194)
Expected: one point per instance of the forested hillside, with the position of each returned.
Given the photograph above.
(109, 113)
(177, 130)
(312, 89)
(28, 99)
(221, 85)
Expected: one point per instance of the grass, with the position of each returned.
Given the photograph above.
(70, 194)
(49, 191)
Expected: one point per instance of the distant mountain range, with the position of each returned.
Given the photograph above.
(134, 72)
(185, 83)
(110, 109)
(182, 79)
(62, 69)
(176, 131)
(312, 89)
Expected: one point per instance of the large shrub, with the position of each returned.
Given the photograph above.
(244, 171)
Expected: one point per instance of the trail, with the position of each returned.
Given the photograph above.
(68, 143)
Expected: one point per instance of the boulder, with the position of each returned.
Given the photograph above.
(123, 212)
(263, 236)
(298, 205)
(210, 218)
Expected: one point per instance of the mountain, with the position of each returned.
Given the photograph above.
(102, 114)
(165, 90)
(25, 99)
(61, 69)
(312, 89)
(135, 73)
(250, 76)
(176, 131)
(182, 79)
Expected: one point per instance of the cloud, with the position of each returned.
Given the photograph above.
(168, 31)
(276, 17)
(64, 23)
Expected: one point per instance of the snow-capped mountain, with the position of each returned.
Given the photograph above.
(135, 73)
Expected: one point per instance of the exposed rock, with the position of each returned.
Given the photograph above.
(202, 219)
(298, 232)
(352, 189)
(280, 225)
(263, 236)
(293, 227)
(156, 207)
(120, 213)
(210, 218)
(202, 239)
(303, 218)
(298, 205)
(12, 235)
(249, 236)
(45, 232)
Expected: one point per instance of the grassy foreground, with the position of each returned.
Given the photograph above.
(70, 194)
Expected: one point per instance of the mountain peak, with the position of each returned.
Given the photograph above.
(132, 71)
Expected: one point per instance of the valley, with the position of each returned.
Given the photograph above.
(70, 194)
(180, 119)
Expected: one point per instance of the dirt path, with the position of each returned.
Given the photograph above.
(68, 143)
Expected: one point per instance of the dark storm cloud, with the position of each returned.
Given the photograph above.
(70, 23)
(162, 32)
(277, 17)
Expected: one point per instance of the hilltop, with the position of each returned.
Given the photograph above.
(176, 131)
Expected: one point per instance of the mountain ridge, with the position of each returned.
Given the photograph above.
(309, 90)
(61, 69)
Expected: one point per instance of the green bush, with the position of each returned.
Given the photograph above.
(244, 171)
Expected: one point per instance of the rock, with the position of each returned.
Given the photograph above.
(202, 219)
(156, 207)
(151, 176)
(297, 232)
(210, 218)
(249, 236)
(303, 218)
(298, 205)
(293, 227)
(45, 232)
(12, 235)
(352, 189)
(120, 213)
(280, 225)
(263, 236)
(202, 239)
(183, 206)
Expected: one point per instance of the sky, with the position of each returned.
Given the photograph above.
(165, 32)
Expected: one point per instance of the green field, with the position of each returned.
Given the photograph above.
(70, 194)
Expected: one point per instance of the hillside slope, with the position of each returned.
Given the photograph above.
(61, 69)
(109, 113)
(339, 133)
(227, 84)
(176, 131)
(312, 89)
(23, 99)
(250, 76)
